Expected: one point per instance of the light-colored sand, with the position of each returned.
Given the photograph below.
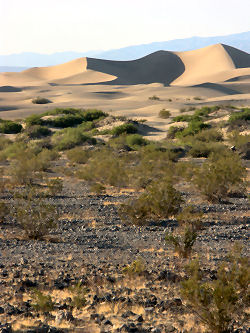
(217, 74)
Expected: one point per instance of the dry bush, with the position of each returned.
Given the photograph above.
(219, 176)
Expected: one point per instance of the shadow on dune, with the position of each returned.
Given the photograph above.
(217, 87)
(240, 58)
(10, 89)
(161, 67)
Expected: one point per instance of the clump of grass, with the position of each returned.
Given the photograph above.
(164, 114)
(41, 100)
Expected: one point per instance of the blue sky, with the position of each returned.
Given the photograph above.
(48, 26)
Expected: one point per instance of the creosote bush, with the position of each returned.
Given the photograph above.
(55, 186)
(221, 304)
(220, 175)
(34, 214)
(78, 299)
(137, 267)
(43, 303)
(159, 201)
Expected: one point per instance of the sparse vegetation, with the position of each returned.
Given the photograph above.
(220, 304)
(41, 100)
(164, 114)
(43, 303)
(154, 98)
(10, 127)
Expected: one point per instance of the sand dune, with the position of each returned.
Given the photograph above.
(213, 75)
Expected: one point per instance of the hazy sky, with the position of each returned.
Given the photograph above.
(48, 26)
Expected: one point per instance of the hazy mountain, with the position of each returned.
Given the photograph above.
(12, 69)
(28, 59)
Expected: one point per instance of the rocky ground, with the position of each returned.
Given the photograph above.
(85, 257)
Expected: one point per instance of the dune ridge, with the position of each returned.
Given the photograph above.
(215, 63)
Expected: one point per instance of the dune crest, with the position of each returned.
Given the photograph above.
(215, 64)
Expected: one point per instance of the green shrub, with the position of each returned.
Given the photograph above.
(41, 100)
(197, 98)
(208, 135)
(64, 121)
(193, 128)
(78, 155)
(173, 130)
(10, 127)
(43, 303)
(37, 131)
(78, 296)
(34, 119)
(186, 117)
(105, 167)
(135, 140)
(137, 267)
(4, 142)
(160, 200)
(244, 115)
(35, 215)
(164, 114)
(204, 149)
(69, 138)
(220, 175)
(124, 128)
(241, 142)
(220, 304)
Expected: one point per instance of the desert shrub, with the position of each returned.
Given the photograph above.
(164, 114)
(4, 142)
(244, 115)
(220, 175)
(10, 127)
(241, 142)
(190, 217)
(182, 241)
(105, 167)
(43, 303)
(14, 150)
(69, 138)
(37, 131)
(78, 155)
(35, 215)
(41, 100)
(173, 130)
(55, 186)
(204, 149)
(67, 120)
(87, 126)
(78, 299)
(124, 128)
(4, 211)
(91, 115)
(97, 188)
(133, 140)
(137, 267)
(160, 200)
(154, 98)
(206, 110)
(193, 128)
(208, 135)
(186, 117)
(34, 119)
(221, 303)
(197, 98)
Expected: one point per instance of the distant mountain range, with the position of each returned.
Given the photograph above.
(29, 59)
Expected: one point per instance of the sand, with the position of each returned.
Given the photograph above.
(217, 74)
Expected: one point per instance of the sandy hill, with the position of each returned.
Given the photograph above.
(216, 63)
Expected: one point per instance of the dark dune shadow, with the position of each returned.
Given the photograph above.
(161, 67)
(240, 58)
(239, 78)
(110, 94)
(217, 87)
(8, 108)
(145, 129)
(10, 89)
